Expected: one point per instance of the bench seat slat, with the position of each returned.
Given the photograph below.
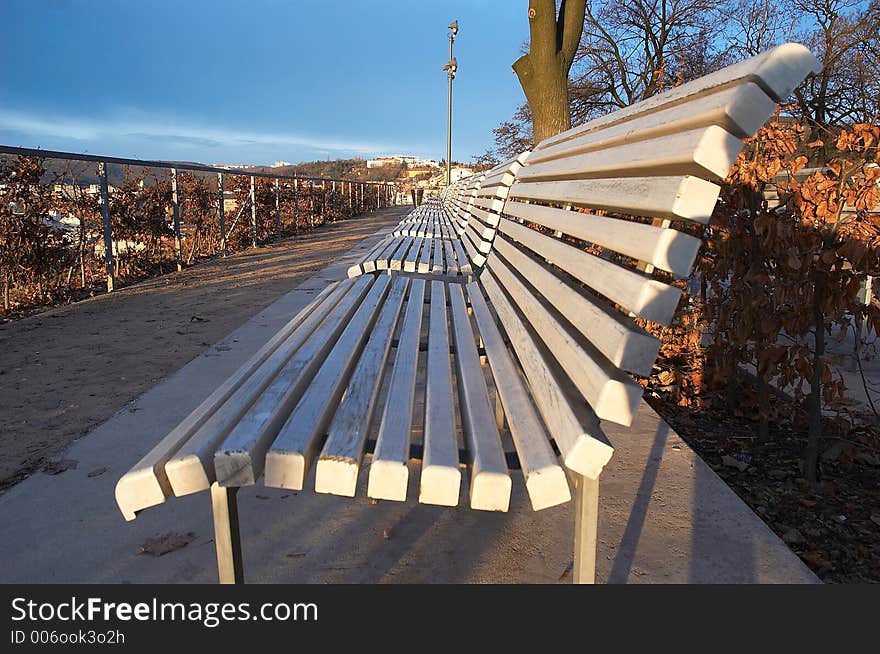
(664, 248)
(146, 483)
(412, 257)
(425, 257)
(490, 483)
(382, 261)
(464, 263)
(619, 339)
(676, 197)
(338, 465)
(635, 291)
(395, 262)
(612, 394)
(367, 263)
(441, 478)
(451, 264)
(544, 477)
(239, 459)
(437, 265)
(191, 469)
(584, 447)
(389, 474)
(293, 451)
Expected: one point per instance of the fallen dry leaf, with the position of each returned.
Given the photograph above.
(165, 543)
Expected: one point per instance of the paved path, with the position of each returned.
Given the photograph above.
(665, 515)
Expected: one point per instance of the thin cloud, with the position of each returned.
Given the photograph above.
(206, 137)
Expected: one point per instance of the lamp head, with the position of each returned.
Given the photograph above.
(454, 27)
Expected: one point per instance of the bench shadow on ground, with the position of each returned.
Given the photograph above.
(366, 542)
(705, 548)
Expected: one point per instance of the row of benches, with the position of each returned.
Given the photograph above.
(491, 331)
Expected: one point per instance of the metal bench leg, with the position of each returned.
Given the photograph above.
(586, 522)
(226, 534)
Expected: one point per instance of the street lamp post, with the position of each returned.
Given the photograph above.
(450, 69)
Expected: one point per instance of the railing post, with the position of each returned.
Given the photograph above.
(108, 231)
(350, 204)
(311, 205)
(253, 213)
(323, 201)
(222, 211)
(175, 209)
(277, 209)
(335, 199)
(295, 205)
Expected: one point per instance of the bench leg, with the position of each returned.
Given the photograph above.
(226, 534)
(586, 522)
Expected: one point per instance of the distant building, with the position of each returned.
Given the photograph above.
(417, 171)
(397, 159)
(279, 164)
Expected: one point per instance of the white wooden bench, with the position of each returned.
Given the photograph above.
(535, 350)
(449, 238)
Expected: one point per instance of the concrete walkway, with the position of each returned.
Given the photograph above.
(665, 515)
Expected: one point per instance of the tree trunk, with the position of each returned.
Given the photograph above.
(543, 72)
(814, 435)
(547, 94)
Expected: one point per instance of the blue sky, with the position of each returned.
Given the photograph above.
(255, 81)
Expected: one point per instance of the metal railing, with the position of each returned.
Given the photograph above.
(358, 194)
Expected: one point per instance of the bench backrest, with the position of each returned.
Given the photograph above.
(601, 219)
(480, 223)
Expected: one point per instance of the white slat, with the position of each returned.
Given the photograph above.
(490, 219)
(388, 471)
(704, 152)
(340, 459)
(449, 254)
(146, 484)
(777, 72)
(490, 483)
(477, 259)
(583, 445)
(663, 248)
(490, 204)
(544, 477)
(619, 339)
(612, 394)
(425, 257)
(397, 259)
(741, 110)
(635, 291)
(412, 257)
(688, 197)
(441, 478)
(291, 455)
(437, 266)
(191, 469)
(238, 460)
(464, 264)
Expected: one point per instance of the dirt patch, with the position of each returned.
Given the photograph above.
(69, 369)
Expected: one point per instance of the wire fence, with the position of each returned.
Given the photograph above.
(62, 238)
